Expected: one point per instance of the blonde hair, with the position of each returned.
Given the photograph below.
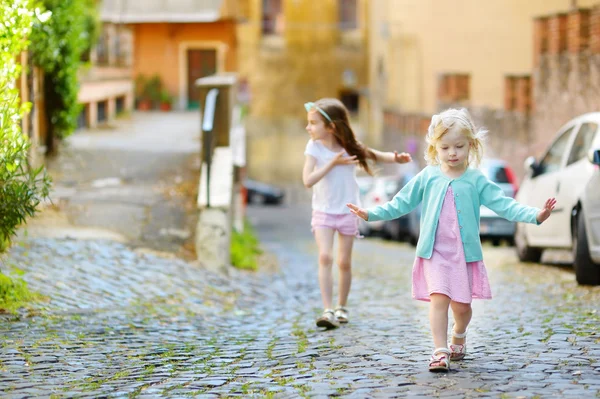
(450, 120)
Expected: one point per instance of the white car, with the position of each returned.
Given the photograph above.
(569, 171)
(493, 227)
(380, 191)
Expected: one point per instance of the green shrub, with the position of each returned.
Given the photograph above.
(245, 248)
(14, 293)
(21, 187)
(57, 47)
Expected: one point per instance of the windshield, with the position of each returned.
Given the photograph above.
(497, 174)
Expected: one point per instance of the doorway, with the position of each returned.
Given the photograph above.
(200, 63)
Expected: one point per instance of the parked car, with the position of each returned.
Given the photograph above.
(493, 227)
(374, 194)
(365, 183)
(569, 171)
(381, 190)
(406, 228)
(263, 194)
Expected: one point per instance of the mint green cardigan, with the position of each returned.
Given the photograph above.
(471, 190)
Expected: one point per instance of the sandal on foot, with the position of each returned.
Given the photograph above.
(440, 360)
(327, 320)
(341, 314)
(458, 351)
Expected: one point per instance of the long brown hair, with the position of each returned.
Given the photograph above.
(342, 131)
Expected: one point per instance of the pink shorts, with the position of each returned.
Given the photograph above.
(346, 223)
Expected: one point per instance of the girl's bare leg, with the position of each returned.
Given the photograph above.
(462, 317)
(345, 265)
(438, 319)
(324, 239)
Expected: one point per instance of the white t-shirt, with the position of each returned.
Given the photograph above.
(338, 187)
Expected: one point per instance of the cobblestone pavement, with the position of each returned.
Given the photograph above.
(120, 320)
(124, 323)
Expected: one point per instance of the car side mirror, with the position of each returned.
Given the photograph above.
(594, 157)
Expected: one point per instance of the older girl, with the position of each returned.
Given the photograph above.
(332, 154)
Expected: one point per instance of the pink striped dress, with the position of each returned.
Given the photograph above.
(447, 272)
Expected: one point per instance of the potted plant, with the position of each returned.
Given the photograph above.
(165, 100)
(154, 89)
(144, 101)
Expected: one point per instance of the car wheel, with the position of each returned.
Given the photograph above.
(586, 271)
(363, 229)
(524, 251)
(413, 240)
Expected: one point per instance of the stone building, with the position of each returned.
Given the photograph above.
(522, 68)
(178, 41)
(291, 52)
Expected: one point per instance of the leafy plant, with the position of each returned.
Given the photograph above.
(57, 47)
(165, 97)
(245, 248)
(14, 293)
(141, 92)
(154, 88)
(21, 187)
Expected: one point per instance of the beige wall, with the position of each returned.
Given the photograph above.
(425, 38)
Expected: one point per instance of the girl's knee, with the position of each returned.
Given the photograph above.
(345, 265)
(461, 308)
(325, 260)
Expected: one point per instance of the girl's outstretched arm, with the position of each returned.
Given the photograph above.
(492, 196)
(403, 202)
(312, 175)
(546, 210)
(391, 157)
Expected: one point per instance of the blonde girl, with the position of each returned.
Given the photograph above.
(331, 157)
(448, 270)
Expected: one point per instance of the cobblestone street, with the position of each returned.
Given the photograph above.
(125, 321)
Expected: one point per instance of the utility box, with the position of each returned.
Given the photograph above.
(219, 185)
(226, 84)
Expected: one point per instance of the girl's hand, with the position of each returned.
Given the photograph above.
(360, 212)
(403, 157)
(547, 210)
(340, 159)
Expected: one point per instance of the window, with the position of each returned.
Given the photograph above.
(102, 49)
(348, 19)
(552, 160)
(272, 17)
(583, 142)
(350, 99)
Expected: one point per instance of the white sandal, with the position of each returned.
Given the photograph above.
(341, 314)
(328, 320)
(458, 351)
(440, 360)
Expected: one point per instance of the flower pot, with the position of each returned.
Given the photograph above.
(165, 106)
(144, 105)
